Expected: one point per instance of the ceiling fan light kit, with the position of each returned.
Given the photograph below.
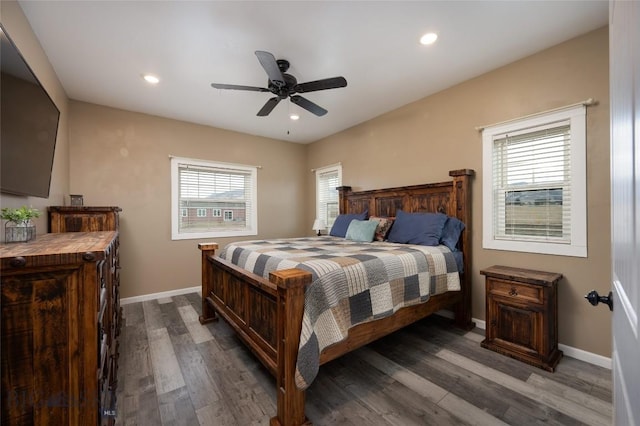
(285, 85)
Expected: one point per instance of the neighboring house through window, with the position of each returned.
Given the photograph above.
(534, 188)
(327, 180)
(204, 190)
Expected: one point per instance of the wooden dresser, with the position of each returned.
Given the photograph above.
(83, 218)
(60, 327)
(522, 315)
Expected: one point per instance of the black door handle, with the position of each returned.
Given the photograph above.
(594, 298)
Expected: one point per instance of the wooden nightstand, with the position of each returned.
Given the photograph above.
(522, 315)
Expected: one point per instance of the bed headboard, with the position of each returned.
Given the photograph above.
(452, 197)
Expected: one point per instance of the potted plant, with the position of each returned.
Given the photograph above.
(19, 227)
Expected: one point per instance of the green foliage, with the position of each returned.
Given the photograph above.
(19, 216)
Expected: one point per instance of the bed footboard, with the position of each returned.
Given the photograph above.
(266, 315)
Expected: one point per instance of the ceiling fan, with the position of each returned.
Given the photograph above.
(285, 85)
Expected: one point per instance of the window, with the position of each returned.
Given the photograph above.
(327, 180)
(203, 185)
(184, 212)
(534, 184)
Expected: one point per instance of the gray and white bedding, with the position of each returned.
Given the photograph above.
(352, 283)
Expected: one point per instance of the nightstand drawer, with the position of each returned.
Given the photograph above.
(517, 291)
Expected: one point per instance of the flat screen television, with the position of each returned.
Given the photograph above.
(29, 126)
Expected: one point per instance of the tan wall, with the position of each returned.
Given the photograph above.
(422, 141)
(19, 30)
(122, 158)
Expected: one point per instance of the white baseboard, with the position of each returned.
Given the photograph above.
(590, 357)
(154, 296)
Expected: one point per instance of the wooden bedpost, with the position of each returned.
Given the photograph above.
(290, 306)
(343, 192)
(462, 203)
(208, 313)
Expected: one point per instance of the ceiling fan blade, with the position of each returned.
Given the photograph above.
(308, 105)
(327, 83)
(268, 107)
(268, 62)
(236, 87)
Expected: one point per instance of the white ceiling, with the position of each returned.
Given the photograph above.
(99, 50)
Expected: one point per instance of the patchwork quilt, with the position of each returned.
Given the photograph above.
(352, 283)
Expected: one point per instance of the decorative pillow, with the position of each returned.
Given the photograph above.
(451, 232)
(361, 230)
(339, 228)
(417, 228)
(384, 224)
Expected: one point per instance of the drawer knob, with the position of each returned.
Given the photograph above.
(89, 256)
(513, 292)
(18, 262)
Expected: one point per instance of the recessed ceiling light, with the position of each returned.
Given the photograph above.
(294, 116)
(429, 38)
(152, 79)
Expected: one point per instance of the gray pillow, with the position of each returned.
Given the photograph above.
(361, 230)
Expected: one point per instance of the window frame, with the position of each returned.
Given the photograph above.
(576, 117)
(319, 208)
(251, 228)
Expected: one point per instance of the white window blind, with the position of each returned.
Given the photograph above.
(532, 185)
(327, 180)
(200, 186)
(534, 190)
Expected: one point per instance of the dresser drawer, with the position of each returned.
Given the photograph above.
(517, 291)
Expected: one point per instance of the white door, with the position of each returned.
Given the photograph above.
(624, 59)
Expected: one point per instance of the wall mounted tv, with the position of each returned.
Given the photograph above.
(29, 126)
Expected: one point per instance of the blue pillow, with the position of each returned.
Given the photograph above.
(361, 230)
(417, 228)
(341, 224)
(451, 232)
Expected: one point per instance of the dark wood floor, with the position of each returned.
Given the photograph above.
(175, 371)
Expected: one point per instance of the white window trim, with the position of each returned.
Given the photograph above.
(252, 225)
(318, 172)
(578, 245)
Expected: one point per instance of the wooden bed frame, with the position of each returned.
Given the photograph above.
(267, 314)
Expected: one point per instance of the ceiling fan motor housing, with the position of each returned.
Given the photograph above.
(287, 89)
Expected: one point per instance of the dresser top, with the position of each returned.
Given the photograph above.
(71, 247)
(522, 275)
(83, 209)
